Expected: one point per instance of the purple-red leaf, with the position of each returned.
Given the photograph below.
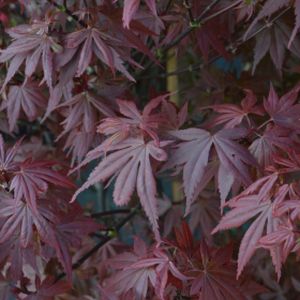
(32, 179)
(130, 162)
(193, 153)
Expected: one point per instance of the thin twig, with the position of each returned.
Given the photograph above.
(268, 24)
(221, 11)
(168, 6)
(234, 46)
(188, 6)
(110, 212)
(207, 9)
(105, 239)
(200, 20)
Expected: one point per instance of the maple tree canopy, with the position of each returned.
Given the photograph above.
(149, 149)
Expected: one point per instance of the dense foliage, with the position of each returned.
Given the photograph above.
(149, 149)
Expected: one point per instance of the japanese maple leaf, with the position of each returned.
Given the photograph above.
(232, 115)
(262, 188)
(19, 218)
(31, 44)
(141, 267)
(175, 118)
(78, 143)
(17, 242)
(258, 203)
(133, 120)
(62, 91)
(184, 240)
(125, 280)
(48, 289)
(82, 111)
(267, 145)
(215, 279)
(284, 111)
(270, 7)
(69, 233)
(211, 271)
(80, 46)
(7, 163)
(153, 22)
(267, 10)
(210, 36)
(290, 207)
(245, 10)
(27, 98)
(19, 225)
(285, 237)
(205, 214)
(288, 164)
(172, 214)
(275, 40)
(128, 161)
(131, 7)
(19, 228)
(17, 256)
(163, 265)
(141, 28)
(32, 178)
(193, 154)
